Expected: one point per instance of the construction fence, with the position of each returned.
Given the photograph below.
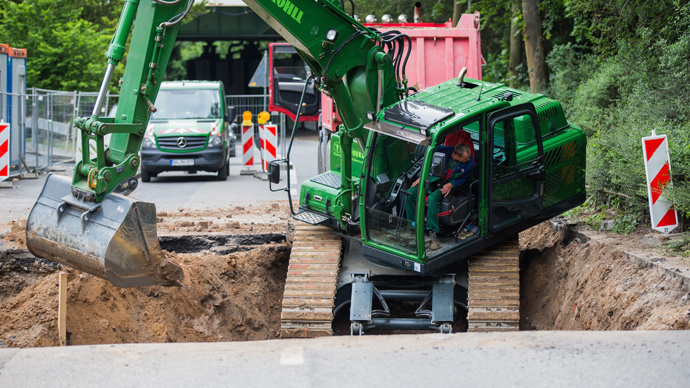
(50, 138)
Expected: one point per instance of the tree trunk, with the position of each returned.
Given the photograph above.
(457, 12)
(534, 45)
(515, 45)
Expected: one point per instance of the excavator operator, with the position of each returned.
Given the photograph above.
(459, 164)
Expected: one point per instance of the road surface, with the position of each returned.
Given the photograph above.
(521, 359)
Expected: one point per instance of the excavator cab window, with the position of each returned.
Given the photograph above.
(391, 205)
(458, 210)
(395, 164)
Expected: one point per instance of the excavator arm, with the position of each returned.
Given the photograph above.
(361, 69)
(153, 35)
(354, 69)
(87, 223)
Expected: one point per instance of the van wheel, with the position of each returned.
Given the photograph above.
(145, 176)
(224, 171)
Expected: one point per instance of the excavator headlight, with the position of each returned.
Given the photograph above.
(332, 35)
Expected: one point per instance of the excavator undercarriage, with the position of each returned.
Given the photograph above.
(318, 286)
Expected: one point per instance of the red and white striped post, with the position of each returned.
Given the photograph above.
(658, 170)
(270, 142)
(247, 144)
(4, 150)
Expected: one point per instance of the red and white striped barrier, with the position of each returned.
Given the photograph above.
(658, 170)
(247, 144)
(269, 144)
(4, 150)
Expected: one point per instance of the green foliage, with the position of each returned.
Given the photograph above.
(625, 224)
(65, 52)
(605, 23)
(570, 64)
(621, 92)
(65, 39)
(594, 221)
(680, 245)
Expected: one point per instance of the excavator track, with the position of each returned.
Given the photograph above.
(494, 288)
(309, 295)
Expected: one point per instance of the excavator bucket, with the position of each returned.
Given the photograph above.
(115, 239)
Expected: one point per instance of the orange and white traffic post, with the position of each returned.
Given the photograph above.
(247, 144)
(269, 140)
(4, 150)
(270, 150)
(262, 119)
(658, 170)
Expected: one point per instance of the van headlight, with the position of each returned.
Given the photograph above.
(215, 141)
(147, 143)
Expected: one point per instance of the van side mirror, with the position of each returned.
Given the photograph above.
(231, 114)
(438, 165)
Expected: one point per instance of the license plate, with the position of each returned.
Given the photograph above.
(181, 162)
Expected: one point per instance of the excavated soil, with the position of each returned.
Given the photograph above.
(235, 263)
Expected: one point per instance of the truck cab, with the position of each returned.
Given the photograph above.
(189, 130)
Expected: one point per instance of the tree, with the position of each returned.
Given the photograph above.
(65, 39)
(64, 51)
(535, 45)
(515, 44)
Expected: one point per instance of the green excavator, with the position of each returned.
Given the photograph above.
(360, 253)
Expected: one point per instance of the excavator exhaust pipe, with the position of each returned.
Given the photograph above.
(114, 239)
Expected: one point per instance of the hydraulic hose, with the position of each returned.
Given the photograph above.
(179, 17)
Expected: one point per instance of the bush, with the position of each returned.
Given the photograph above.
(619, 100)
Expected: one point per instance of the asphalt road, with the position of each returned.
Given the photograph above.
(175, 190)
(524, 359)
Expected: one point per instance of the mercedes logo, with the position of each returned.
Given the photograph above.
(181, 142)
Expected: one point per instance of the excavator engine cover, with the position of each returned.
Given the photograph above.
(114, 239)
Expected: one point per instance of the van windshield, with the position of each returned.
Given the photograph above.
(187, 104)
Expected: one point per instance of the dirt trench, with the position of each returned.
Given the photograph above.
(235, 265)
(591, 281)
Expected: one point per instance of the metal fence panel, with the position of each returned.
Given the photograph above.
(51, 138)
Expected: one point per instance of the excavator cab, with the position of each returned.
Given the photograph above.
(507, 179)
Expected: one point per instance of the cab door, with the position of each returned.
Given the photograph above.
(287, 76)
(515, 172)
